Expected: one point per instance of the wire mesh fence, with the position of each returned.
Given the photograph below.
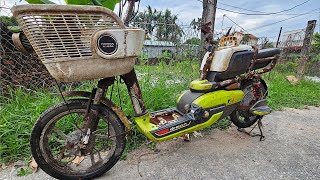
(171, 50)
(16, 68)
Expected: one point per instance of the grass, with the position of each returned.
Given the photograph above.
(160, 86)
(18, 114)
(283, 94)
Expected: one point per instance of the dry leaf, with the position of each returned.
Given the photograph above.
(78, 160)
(292, 79)
(19, 164)
(186, 137)
(33, 165)
(197, 134)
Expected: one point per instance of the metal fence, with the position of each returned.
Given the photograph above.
(170, 43)
(16, 68)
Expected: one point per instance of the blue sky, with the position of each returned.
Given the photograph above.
(189, 9)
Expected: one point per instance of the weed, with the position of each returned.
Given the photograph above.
(23, 171)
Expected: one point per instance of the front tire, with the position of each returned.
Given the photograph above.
(56, 142)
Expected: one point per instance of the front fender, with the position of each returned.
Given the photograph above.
(105, 102)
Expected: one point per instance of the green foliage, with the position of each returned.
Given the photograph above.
(245, 39)
(315, 58)
(290, 67)
(315, 51)
(160, 84)
(161, 24)
(196, 24)
(316, 45)
(79, 2)
(110, 4)
(268, 45)
(193, 40)
(24, 171)
(8, 20)
(222, 124)
(39, 2)
(14, 29)
(283, 94)
(293, 57)
(18, 113)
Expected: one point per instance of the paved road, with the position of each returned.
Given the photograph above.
(291, 150)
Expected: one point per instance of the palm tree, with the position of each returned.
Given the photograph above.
(168, 28)
(145, 20)
(162, 25)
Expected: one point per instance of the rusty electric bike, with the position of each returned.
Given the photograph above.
(84, 136)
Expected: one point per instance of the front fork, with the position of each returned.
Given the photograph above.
(91, 116)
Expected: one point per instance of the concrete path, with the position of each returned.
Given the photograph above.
(291, 150)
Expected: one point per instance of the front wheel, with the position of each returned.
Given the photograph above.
(241, 116)
(57, 142)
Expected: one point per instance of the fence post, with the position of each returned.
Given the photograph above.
(306, 48)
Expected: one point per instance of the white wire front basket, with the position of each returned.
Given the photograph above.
(78, 43)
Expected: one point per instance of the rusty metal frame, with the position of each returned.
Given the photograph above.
(17, 42)
(131, 81)
(252, 73)
(105, 102)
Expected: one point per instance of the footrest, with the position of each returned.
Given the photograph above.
(260, 108)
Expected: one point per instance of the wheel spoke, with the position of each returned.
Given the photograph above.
(59, 140)
(92, 158)
(60, 132)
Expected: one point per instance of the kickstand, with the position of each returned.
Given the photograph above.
(259, 123)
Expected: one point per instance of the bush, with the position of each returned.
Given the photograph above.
(289, 67)
(293, 57)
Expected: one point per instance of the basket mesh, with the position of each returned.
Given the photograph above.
(54, 35)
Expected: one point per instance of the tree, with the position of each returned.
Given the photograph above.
(316, 45)
(162, 25)
(196, 24)
(194, 40)
(306, 49)
(268, 45)
(168, 29)
(245, 39)
(146, 20)
(208, 16)
(110, 4)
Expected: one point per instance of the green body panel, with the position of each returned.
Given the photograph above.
(200, 85)
(144, 126)
(260, 113)
(221, 97)
(208, 100)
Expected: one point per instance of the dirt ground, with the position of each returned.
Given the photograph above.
(291, 150)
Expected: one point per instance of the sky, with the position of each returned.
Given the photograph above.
(256, 25)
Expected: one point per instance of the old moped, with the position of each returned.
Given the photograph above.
(84, 136)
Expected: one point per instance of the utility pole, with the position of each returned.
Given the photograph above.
(278, 40)
(209, 12)
(306, 48)
(208, 15)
